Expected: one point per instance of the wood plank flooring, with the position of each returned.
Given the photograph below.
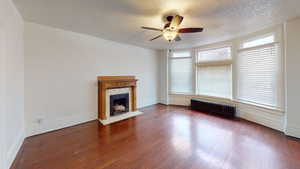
(164, 137)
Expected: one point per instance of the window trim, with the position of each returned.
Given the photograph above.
(261, 36)
(228, 62)
(277, 41)
(274, 108)
(169, 70)
(173, 58)
(179, 51)
(215, 47)
(213, 98)
(258, 47)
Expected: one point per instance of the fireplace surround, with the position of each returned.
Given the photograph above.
(116, 98)
(118, 101)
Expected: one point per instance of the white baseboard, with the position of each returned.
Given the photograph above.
(273, 119)
(269, 118)
(293, 130)
(58, 123)
(51, 124)
(163, 101)
(14, 149)
(185, 99)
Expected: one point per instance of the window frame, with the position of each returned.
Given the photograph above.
(225, 62)
(261, 36)
(192, 52)
(278, 39)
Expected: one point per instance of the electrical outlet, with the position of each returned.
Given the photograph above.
(39, 121)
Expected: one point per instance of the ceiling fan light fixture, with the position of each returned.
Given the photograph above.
(172, 30)
(170, 34)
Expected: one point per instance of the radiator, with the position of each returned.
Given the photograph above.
(214, 108)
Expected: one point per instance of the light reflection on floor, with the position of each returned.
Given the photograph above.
(210, 143)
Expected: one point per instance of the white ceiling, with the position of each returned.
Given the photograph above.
(120, 20)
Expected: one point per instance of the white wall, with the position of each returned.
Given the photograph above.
(2, 99)
(292, 77)
(11, 83)
(163, 69)
(61, 69)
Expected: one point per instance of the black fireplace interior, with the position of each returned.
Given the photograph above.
(119, 104)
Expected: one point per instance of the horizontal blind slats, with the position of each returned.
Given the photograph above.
(214, 77)
(181, 75)
(257, 74)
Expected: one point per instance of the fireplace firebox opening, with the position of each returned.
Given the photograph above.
(119, 104)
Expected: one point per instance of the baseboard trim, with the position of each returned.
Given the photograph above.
(266, 117)
(261, 116)
(148, 105)
(293, 131)
(268, 122)
(164, 102)
(56, 124)
(185, 99)
(160, 103)
(64, 122)
(15, 148)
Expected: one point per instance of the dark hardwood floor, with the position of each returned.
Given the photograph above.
(164, 137)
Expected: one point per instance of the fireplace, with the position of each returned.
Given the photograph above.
(119, 104)
(116, 98)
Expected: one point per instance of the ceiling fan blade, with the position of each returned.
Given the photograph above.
(153, 29)
(177, 38)
(190, 30)
(176, 21)
(156, 37)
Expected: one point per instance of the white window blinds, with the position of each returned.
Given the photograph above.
(259, 75)
(181, 72)
(215, 81)
(214, 72)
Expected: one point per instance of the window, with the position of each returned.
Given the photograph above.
(214, 72)
(181, 54)
(181, 72)
(259, 41)
(259, 72)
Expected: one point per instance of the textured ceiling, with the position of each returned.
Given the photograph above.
(120, 20)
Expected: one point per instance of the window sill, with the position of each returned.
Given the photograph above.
(269, 108)
(205, 97)
(185, 94)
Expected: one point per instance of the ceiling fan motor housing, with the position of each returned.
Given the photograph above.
(169, 18)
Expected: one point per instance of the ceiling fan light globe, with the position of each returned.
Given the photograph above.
(170, 35)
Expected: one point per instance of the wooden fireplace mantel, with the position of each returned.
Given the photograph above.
(111, 82)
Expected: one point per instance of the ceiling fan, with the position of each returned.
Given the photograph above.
(171, 29)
